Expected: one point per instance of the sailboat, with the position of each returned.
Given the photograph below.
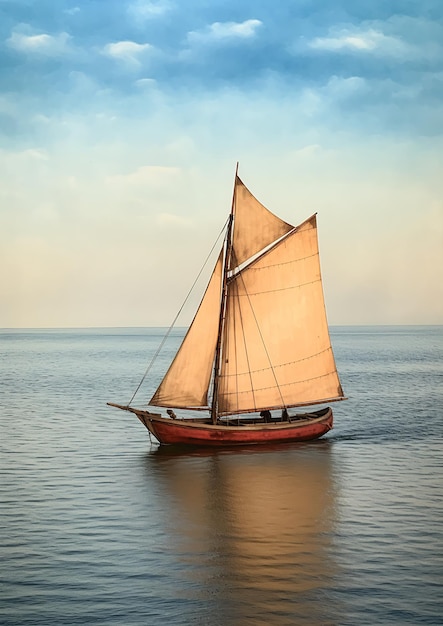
(258, 345)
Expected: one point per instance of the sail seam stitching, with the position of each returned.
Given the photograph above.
(297, 382)
(260, 269)
(259, 293)
(264, 369)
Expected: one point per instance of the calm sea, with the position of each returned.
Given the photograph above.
(99, 526)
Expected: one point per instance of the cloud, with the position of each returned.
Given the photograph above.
(146, 82)
(72, 11)
(369, 41)
(339, 88)
(129, 52)
(226, 30)
(43, 44)
(348, 39)
(148, 9)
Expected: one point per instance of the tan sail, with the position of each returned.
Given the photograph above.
(276, 345)
(255, 226)
(187, 380)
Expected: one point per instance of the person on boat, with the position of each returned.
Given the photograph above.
(266, 415)
(284, 415)
(171, 413)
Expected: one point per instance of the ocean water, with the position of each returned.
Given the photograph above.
(101, 526)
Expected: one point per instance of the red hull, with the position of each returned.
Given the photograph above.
(199, 433)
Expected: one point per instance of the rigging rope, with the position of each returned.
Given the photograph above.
(148, 369)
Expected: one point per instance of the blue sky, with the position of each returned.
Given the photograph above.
(121, 123)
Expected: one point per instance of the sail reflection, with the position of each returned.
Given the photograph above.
(252, 528)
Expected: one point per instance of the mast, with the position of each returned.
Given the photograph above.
(224, 291)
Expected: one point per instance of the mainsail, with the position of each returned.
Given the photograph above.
(276, 346)
(265, 316)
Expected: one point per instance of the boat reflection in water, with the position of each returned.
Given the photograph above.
(251, 531)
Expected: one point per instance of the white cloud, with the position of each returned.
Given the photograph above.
(146, 82)
(317, 102)
(340, 88)
(43, 44)
(72, 11)
(364, 41)
(127, 51)
(402, 38)
(226, 30)
(148, 9)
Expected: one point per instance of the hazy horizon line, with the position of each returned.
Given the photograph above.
(19, 328)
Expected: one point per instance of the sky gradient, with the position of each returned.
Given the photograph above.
(121, 123)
